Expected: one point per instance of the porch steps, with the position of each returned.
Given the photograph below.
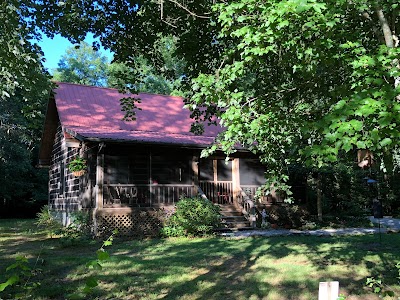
(232, 219)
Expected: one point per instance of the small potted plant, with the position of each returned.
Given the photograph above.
(77, 166)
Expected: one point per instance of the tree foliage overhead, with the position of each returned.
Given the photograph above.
(21, 70)
(132, 29)
(83, 64)
(139, 74)
(306, 80)
(294, 80)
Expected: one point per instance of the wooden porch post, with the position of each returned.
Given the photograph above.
(99, 189)
(195, 169)
(99, 180)
(235, 180)
(150, 178)
(215, 185)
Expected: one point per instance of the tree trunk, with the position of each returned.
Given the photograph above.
(319, 197)
(387, 32)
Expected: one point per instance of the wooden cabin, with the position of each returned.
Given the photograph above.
(136, 170)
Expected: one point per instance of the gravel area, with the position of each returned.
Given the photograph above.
(387, 224)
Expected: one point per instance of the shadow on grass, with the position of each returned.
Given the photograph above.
(212, 268)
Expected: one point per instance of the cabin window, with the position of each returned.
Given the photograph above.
(217, 167)
(135, 169)
(224, 170)
(167, 170)
(251, 172)
(206, 170)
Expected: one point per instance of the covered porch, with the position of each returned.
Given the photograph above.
(156, 176)
(148, 179)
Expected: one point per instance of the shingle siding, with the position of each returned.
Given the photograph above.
(64, 188)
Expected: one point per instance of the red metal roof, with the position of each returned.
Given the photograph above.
(95, 113)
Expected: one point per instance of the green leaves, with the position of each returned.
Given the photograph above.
(379, 288)
(102, 255)
(385, 142)
(10, 281)
(19, 274)
(20, 64)
(96, 264)
(91, 283)
(193, 216)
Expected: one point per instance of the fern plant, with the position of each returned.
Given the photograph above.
(77, 164)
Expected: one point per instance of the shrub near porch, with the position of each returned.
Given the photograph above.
(193, 216)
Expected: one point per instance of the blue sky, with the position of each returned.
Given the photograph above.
(54, 48)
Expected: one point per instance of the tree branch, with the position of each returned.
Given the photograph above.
(190, 12)
(172, 25)
(184, 8)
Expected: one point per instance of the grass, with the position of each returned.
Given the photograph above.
(210, 268)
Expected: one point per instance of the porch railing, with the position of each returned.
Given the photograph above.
(250, 191)
(145, 195)
(220, 192)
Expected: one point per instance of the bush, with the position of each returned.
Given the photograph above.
(292, 215)
(48, 222)
(172, 231)
(343, 222)
(193, 216)
(79, 228)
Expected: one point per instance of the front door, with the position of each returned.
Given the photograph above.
(216, 180)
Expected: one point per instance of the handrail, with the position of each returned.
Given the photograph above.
(146, 184)
(248, 208)
(201, 193)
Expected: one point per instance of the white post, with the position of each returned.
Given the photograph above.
(99, 189)
(328, 290)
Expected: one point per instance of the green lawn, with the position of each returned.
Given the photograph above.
(209, 268)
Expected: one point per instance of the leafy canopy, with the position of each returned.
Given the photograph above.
(293, 80)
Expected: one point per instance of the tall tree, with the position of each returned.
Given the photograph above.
(23, 187)
(306, 80)
(84, 65)
(24, 88)
(140, 74)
